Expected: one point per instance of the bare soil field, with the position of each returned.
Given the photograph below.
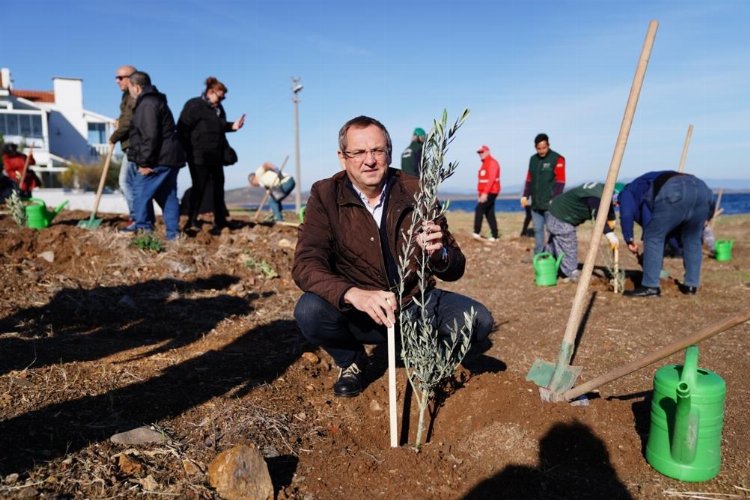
(199, 341)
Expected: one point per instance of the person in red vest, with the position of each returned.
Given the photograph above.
(488, 188)
(13, 164)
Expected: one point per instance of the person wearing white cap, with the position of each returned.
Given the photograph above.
(488, 188)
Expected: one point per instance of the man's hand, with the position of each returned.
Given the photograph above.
(524, 202)
(379, 305)
(145, 170)
(612, 224)
(430, 238)
(613, 241)
(633, 247)
(483, 198)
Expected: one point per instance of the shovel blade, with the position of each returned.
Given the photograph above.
(541, 373)
(91, 223)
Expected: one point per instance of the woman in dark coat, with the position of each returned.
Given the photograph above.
(202, 127)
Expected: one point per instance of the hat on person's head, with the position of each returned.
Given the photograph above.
(619, 186)
(483, 149)
(419, 132)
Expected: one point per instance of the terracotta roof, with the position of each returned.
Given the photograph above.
(35, 95)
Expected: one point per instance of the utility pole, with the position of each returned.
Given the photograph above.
(296, 89)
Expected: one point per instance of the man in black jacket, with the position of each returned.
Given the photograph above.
(156, 151)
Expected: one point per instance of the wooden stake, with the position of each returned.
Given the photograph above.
(683, 157)
(716, 209)
(576, 312)
(392, 385)
(25, 168)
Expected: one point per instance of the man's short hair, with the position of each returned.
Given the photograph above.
(539, 138)
(140, 78)
(363, 122)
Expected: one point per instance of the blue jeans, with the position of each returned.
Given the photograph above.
(279, 194)
(342, 334)
(537, 217)
(682, 205)
(128, 173)
(161, 187)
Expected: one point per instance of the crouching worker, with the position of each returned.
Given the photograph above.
(277, 185)
(567, 212)
(347, 257)
(14, 164)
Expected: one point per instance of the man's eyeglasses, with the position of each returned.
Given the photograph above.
(377, 153)
(121, 77)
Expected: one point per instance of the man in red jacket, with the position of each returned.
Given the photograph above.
(14, 163)
(488, 189)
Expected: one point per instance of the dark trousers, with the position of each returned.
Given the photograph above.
(202, 175)
(486, 209)
(342, 334)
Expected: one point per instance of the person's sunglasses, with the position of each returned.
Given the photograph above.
(121, 77)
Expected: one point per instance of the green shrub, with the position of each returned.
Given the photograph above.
(148, 242)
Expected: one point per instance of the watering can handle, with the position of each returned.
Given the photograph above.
(558, 260)
(690, 367)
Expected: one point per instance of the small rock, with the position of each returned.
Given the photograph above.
(237, 288)
(49, 256)
(141, 435)
(270, 451)
(285, 243)
(375, 406)
(29, 492)
(11, 478)
(148, 483)
(190, 468)
(128, 465)
(241, 473)
(311, 358)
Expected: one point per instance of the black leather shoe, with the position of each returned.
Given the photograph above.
(643, 291)
(687, 289)
(349, 383)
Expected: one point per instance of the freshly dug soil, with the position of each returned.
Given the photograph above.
(199, 341)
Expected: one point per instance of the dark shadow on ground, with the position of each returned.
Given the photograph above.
(255, 358)
(85, 325)
(573, 464)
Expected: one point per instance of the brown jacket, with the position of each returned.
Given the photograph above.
(122, 133)
(339, 242)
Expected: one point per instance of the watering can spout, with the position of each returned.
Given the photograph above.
(52, 214)
(685, 436)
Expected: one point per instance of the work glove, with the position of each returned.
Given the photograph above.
(524, 202)
(613, 241)
(612, 224)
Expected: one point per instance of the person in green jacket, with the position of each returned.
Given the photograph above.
(544, 180)
(411, 158)
(567, 212)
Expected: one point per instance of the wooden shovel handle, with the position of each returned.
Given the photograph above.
(662, 353)
(25, 167)
(576, 312)
(268, 192)
(103, 179)
(683, 157)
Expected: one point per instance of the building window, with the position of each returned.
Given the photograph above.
(97, 133)
(25, 126)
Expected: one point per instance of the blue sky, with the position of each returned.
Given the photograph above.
(562, 67)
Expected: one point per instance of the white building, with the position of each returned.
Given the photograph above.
(54, 124)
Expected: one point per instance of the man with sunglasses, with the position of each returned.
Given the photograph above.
(127, 168)
(346, 260)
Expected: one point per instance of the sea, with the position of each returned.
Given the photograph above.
(732, 203)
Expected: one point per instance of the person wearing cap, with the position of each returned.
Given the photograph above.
(411, 158)
(277, 184)
(545, 179)
(661, 203)
(567, 212)
(488, 188)
(14, 163)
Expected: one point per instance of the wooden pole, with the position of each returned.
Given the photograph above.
(683, 157)
(655, 356)
(576, 313)
(268, 193)
(716, 209)
(103, 179)
(25, 168)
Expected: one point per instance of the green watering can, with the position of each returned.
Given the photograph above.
(545, 268)
(687, 414)
(37, 214)
(723, 250)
